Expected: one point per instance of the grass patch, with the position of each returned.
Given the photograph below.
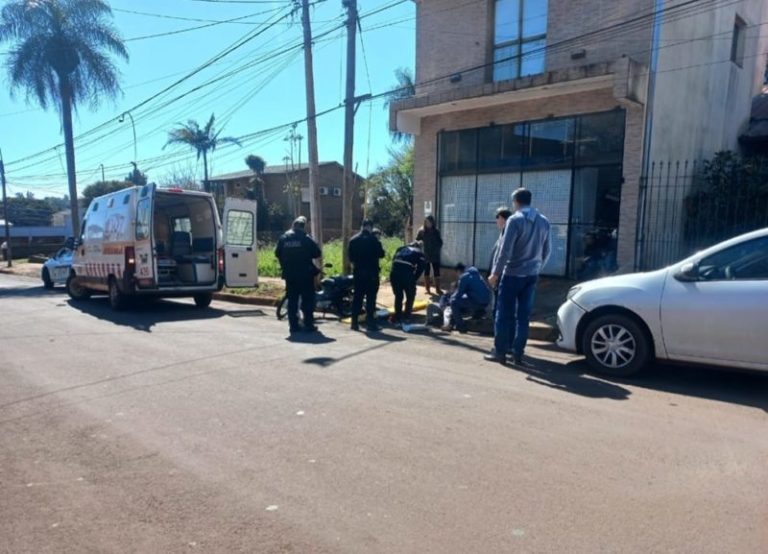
(332, 254)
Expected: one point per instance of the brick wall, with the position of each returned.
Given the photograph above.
(425, 177)
(455, 35)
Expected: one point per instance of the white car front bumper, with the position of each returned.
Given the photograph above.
(568, 317)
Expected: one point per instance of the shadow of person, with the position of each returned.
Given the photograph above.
(145, 313)
(309, 338)
(570, 378)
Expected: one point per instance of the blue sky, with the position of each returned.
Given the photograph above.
(246, 100)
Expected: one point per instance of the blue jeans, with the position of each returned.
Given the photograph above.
(513, 314)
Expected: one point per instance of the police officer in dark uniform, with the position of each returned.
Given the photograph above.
(296, 251)
(407, 266)
(365, 251)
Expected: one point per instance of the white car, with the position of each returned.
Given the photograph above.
(56, 268)
(710, 309)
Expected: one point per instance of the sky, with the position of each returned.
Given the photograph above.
(260, 87)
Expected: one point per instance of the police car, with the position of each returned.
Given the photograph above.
(56, 268)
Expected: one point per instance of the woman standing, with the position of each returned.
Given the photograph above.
(429, 235)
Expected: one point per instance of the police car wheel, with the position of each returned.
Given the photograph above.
(47, 282)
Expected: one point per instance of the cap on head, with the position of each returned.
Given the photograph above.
(522, 197)
(367, 224)
(460, 267)
(300, 222)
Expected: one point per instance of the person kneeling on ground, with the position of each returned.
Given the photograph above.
(408, 264)
(471, 296)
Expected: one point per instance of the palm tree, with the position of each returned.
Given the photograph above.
(202, 140)
(257, 165)
(405, 88)
(60, 54)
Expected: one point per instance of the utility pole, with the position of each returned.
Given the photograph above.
(315, 212)
(102, 173)
(5, 211)
(349, 130)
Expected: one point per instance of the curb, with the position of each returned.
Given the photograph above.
(240, 299)
(538, 331)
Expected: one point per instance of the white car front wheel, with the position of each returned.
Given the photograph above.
(615, 344)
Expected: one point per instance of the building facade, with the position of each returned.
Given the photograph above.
(571, 99)
(288, 187)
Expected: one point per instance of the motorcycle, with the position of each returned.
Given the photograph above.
(334, 296)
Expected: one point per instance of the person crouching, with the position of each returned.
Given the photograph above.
(471, 296)
(408, 265)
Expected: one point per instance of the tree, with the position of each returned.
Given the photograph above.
(101, 188)
(390, 194)
(258, 165)
(201, 140)
(60, 54)
(137, 178)
(181, 177)
(26, 211)
(405, 88)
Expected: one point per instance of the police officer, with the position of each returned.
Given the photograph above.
(407, 266)
(296, 252)
(365, 251)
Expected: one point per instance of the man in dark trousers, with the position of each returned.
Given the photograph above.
(365, 251)
(523, 252)
(471, 295)
(408, 265)
(296, 252)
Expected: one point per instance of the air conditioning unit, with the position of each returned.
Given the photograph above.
(324, 191)
(336, 191)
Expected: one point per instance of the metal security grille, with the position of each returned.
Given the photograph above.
(681, 214)
(468, 207)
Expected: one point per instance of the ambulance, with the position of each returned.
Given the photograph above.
(151, 241)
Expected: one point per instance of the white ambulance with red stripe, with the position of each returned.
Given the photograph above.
(150, 241)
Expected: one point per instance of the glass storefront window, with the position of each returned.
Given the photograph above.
(571, 165)
(551, 142)
(601, 138)
(458, 150)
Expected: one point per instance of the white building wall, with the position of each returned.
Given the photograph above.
(702, 99)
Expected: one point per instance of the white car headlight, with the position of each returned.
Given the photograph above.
(573, 292)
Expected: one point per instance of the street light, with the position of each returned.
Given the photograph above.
(133, 126)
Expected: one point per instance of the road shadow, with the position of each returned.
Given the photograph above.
(327, 361)
(144, 314)
(570, 379)
(31, 292)
(742, 388)
(310, 338)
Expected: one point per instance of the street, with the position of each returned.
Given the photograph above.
(172, 429)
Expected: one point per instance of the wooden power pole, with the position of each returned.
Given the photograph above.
(315, 211)
(348, 189)
(5, 211)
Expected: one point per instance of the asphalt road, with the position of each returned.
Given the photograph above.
(171, 429)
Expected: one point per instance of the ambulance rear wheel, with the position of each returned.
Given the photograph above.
(75, 290)
(116, 298)
(203, 300)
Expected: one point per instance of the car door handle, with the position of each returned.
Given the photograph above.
(249, 249)
(235, 255)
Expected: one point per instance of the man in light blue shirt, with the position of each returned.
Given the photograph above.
(523, 252)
